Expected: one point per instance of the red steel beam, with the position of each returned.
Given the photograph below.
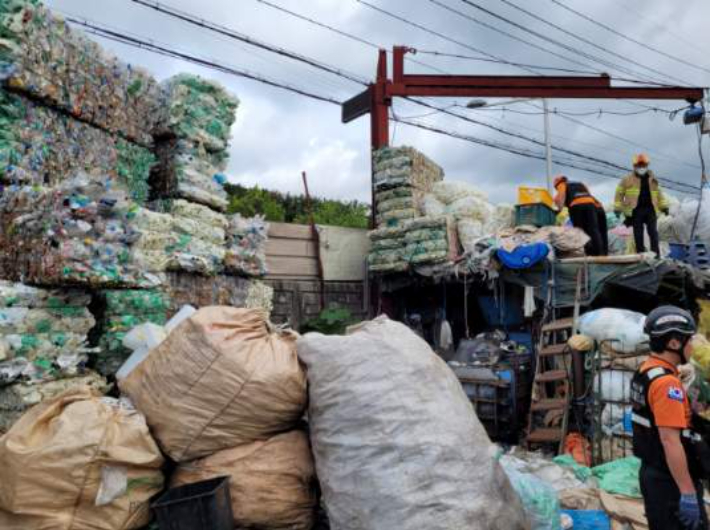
(688, 94)
(508, 81)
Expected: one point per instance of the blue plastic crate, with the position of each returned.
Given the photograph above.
(534, 214)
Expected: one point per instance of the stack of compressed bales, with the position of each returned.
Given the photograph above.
(388, 250)
(122, 311)
(180, 236)
(195, 122)
(41, 56)
(43, 345)
(42, 146)
(402, 177)
(79, 232)
(430, 240)
(246, 246)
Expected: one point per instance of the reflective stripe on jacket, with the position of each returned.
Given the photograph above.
(629, 189)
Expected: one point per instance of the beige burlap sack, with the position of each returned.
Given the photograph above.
(222, 378)
(272, 483)
(78, 462)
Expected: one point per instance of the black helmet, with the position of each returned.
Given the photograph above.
(669, 319)
(667, 322)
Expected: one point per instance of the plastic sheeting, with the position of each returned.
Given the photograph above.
(685, 215)
(246, 246)
(427, 240)
(395, 440)
(42, 146)
(41, 55)
(621, 328)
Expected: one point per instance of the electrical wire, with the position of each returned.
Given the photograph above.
(340, 32)
(567, 47)
(574, 35)
(626, 37)
(233, 34)
(597, 112)
(503, 32)
(433, 32)
(207, 63)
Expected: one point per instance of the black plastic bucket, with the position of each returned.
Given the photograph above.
(203, 505)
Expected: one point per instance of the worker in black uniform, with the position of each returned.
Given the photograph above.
(669, 449)
(582, 207)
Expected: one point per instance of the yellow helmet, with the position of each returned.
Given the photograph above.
(641, 160)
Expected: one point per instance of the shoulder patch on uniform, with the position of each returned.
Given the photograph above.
(675, 393)
(655, 372)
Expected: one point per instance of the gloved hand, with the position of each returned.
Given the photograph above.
(689, 511)
(628, 221)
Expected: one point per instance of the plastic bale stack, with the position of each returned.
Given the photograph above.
(43, 345)
(44, 58)
(388, 250)
(79, 232)
(42, 146)
(122, 310)
(246, 246)
(195, 125)
(402, 176)
(430, 240)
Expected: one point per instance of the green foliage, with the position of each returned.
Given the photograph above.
(332, 321)
(293, 208)
(252, 201)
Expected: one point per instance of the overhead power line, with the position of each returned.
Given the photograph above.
(232, 34)
(502, 32)
(337, 31)
(561, 44)
(627, 37)
(516, 151)
(587, 41)
(207, 63)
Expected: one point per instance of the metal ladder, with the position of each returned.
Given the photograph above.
(552, 387)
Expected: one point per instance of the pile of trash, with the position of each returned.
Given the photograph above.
(123, 310)
(42, 56)
(79, 460)
(422, 460)
(196, 120)
(179, 235)
(402, 176)
(223, 395)
(43, 344)
(44, 147)
(246, 246)
(79, 232)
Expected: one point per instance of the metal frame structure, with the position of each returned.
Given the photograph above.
(377, 98)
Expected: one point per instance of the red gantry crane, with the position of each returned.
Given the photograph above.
(377, 98)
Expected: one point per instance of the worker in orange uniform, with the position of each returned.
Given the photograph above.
(582, 207)
(670, 451)
(639, 198)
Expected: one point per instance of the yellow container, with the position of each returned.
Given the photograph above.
(527, 195)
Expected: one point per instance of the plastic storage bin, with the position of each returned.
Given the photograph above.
(528, 195)
(678, 251)
(203, 505)
(534, 214)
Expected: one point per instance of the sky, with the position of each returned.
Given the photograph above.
(279, 134)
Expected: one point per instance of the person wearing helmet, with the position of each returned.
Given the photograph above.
(639, 198)
(671, 471)
(583, 211)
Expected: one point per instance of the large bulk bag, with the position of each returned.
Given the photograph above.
(395, 439)
(78, 462)
(620, 329)
(222, 378)
(271, 483)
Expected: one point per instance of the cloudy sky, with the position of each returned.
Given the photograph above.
(278, 134)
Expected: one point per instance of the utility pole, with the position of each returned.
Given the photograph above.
(548, 145)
